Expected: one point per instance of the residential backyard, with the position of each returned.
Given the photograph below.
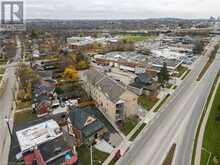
(211, 141)
(25, 116)
(146, 102)
(128, 124)
(84, 155)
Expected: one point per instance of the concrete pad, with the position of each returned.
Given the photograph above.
(104, 146)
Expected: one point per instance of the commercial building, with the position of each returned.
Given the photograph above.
(139, 63)
(157, 63)
(86, 42)
(128, 61)
(38, 134)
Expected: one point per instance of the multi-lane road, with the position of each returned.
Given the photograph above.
(176, 122)
(6, 103)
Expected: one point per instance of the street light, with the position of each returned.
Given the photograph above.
(9, 129)
(91, 155)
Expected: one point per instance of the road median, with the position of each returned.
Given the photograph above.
(212, 56)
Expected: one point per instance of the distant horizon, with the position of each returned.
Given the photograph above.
(116, 19)
(120, 9)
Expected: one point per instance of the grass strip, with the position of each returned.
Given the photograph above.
(209, 62)
(129, 124)
(158, 107)
(168, 160)
(186, 74)
(137, 132)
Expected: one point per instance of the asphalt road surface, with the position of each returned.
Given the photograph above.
(6, 101)
(176, 122)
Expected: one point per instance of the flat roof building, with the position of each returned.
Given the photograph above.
(33, 136)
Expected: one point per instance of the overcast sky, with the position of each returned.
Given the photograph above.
(120, 9)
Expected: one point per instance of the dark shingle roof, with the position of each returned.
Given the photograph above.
(78, 118)
(52, 148)
(143, 78)
(151, 87)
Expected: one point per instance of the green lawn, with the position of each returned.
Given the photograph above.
(129, 124)
(212, 134)
(204, 157)
(23, 117)
(138, 38)
(146, 102)
(84, 155)
(158, 107)
(186, 74)
(138, 131)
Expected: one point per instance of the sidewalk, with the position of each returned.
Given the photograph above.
(125, 144)
(7, 100)
(122, 147)
(203, 126)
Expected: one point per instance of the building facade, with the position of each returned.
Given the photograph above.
(112, 98)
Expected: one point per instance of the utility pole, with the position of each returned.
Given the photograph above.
(91, 155)
(9, 129)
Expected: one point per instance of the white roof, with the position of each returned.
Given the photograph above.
(168, 53)
(38, 134)
(79, 41)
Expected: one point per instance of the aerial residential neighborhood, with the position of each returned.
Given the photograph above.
(109, 86)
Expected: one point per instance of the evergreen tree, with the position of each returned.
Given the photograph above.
(163, 75)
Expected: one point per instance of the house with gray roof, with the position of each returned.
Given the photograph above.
(144, 85)
(85, 126)
(111, 97)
